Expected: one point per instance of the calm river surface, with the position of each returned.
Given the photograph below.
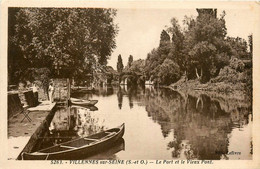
(160, 124)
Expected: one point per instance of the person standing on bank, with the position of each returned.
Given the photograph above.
(51, 92)
(35, 93)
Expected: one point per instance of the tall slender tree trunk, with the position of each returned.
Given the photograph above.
(201, 73)
(185, 76)
(199, 99)
(196, 71)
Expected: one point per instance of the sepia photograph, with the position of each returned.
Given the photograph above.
(111, 83)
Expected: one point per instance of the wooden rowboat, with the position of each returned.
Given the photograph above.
(78, 148)
(83, 102)
(82, 89)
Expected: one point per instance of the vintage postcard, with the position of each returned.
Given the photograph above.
(130, 84)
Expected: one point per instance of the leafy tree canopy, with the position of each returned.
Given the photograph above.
(199, 50)
(130, 61)
(72, 39)
(120, 65)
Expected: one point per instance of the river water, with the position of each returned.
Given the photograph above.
(160, 124)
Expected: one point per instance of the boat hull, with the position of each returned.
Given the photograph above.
(109, 152)
(84, 103)
(80, 153)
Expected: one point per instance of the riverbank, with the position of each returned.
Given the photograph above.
(230, 96)
(222, 87)
(21, 130)
(230, 81)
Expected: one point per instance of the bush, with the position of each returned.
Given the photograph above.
(169, 72)
(237, 64)
(226, 74)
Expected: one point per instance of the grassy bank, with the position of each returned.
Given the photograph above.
(229, 84)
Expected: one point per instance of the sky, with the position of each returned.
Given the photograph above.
(140, 29)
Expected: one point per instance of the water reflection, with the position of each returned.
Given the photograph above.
(69, 123)
(165, 124)
(120, 98)
(202, 126)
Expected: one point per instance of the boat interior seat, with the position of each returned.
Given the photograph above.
(68, 147)
(109, 134)
(91, 139)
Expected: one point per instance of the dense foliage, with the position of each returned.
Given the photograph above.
(130, 61)
(200, 50)
(120, 65)
(74, 40)
(133, 72)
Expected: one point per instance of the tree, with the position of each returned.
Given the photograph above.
(176, 47)
(168, 50)
(72, 39)
(130, 61)
(152, 61)
(156, 57)
(206, 45)
(169, 72)
(120, 65)
(16, 62)
(238, 47)
(137, 66)
(163, 48)
(164, 38)
(39, 75)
